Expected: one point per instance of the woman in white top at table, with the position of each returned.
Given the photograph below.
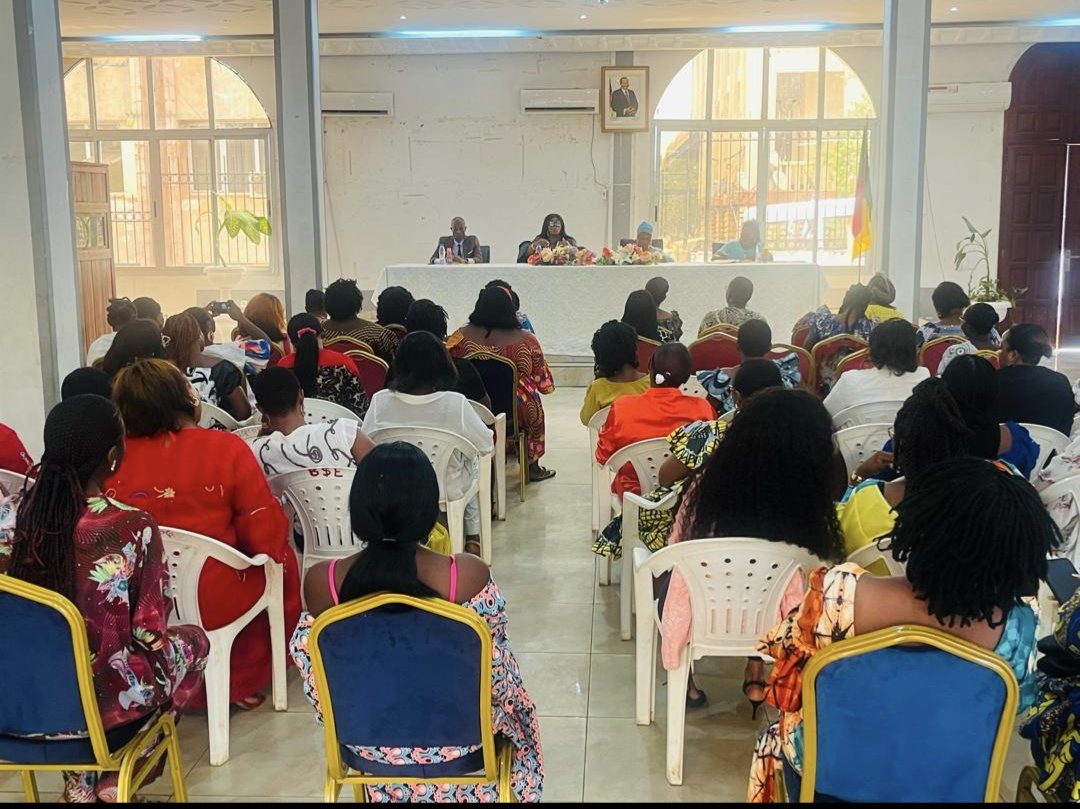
(895, 373)
(421, 395)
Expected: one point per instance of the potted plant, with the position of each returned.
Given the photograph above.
(986, 289)
(233, 222)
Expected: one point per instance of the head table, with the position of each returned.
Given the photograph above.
(567, 304)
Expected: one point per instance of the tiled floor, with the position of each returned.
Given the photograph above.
(564, 630)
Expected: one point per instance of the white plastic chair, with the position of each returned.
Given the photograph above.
(499, 458)
(439, 446)
(1075, 427)
(600, 499)
(212, 414)
(866, 413)
(316, 410)
(1049, 440)
(319, 498)
(646, 457)
(736, 586)
(633, 505)
(186, 553)
(858, 443)
(728, 417)
(870, 553)
(11, 482)
(248, 433)
(692, 387)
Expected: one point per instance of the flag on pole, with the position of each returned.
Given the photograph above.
(610, 96)
(864, 201)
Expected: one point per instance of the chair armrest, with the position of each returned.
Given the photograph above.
(666, 503)
(641, 558)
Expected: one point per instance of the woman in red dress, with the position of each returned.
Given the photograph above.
(209, 482)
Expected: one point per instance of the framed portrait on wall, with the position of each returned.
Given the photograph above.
(625, 92)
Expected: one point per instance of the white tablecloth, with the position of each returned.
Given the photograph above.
(567, 304)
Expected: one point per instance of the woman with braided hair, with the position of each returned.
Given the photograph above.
(973, 552)
(65, 535)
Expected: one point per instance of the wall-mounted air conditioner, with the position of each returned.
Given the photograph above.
(980, 96)
(375, 104)
(561, 101)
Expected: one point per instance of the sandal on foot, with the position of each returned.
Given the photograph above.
(696, 702)
(250, 703)
(754, 703)
(539, 473)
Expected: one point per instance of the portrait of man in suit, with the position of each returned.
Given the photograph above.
(458, 248)
(624, 101)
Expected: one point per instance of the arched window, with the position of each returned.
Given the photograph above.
(183, 136)
(772, 134)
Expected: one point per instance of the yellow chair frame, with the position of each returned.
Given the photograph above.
(124, 760)
(850, 360)
(946, 340)
(519, 434)
(497, 759)
(905, 635)
(726, 328)
(810, 383)
(356, 342)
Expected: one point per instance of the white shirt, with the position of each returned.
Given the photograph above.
(328, 443)
(445, 410)
(100, 347)
(872, 385)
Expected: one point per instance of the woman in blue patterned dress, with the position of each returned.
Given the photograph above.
(393, 506)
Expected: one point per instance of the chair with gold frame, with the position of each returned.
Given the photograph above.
(52, 692)
(344, 343)
(376, 692)
(949, 707)
(806, 363)
(933, 350)
(726, 328)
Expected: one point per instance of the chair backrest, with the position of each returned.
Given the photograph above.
(858, 361)
(800, 334)
(624, 242)
(485, 415)
(1055, 491)
(806, 363)
(714, 350)
(736, 587)
(725, 328)
(376, 691)
(485, 253)
(947, 706)
(316, 410)
(50, 688)
(320, 500)
(1075, 426)
(248, 433)
(214, 418)
(825, 351)
(398, 330)
(499, 375)
(991, 357)
(693, 387)
(11, 482)
(595, 423)
(343, 344)
(645, 349)
(438, 445)
(867, 413)
(933, 350)
(728, 417)
(871, 553)
(1049, 441)
(373, 371)
(646, 457)
(858, 443)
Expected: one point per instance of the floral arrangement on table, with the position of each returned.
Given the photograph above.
(628, 254)
(563, 255)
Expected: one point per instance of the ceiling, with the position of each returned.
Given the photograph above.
(88, 18)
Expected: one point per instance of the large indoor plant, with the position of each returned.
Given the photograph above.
(986, 289)
(234, 222)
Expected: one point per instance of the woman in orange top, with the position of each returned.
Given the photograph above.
(209, 482)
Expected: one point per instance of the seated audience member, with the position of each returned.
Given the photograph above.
(120, 312)
(85, 380)
(640, 312)
(65, 535)
(644, 240)
(652, 414)
(739, 292)
(343, 303)
(206, 481)
(950, 301)
(149, 309)
(13, 454)
(1032, 393)
(287, 442)
(669, 324)
(941, 527)
(392, 307)
(770, 477)
(978, 326)
(523, 318)
(748, 247)
(315, 303)
(218, 382)
(882, 295)
(249, 354)
(615, 365)
(393, 506)
(494, 326)
(138, 340)
(422, 395)
(457, 247)
(754, 343)
(895, 373)
(426, 315)
(323, 374)
(851, 319)
(553, 234)
(264, 318)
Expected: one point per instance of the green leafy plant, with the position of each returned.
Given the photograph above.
(986, 289)
(234, 222)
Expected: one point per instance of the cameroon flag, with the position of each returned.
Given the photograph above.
(860, 216)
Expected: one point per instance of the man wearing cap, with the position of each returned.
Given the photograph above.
(644, 240)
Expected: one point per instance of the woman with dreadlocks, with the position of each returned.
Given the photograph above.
(64, 535)
(973, 552)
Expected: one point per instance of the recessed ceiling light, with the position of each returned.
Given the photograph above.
(583, 17)
(403, 17)
(954, 8)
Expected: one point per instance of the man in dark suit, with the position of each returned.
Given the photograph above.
(623, 100)
(460, 249)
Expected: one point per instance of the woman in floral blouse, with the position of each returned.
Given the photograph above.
(108, 559)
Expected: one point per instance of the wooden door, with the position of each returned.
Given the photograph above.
(1043, 119)
(93, 243)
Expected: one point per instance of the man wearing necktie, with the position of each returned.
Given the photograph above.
(623, 100)
(459, 248)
